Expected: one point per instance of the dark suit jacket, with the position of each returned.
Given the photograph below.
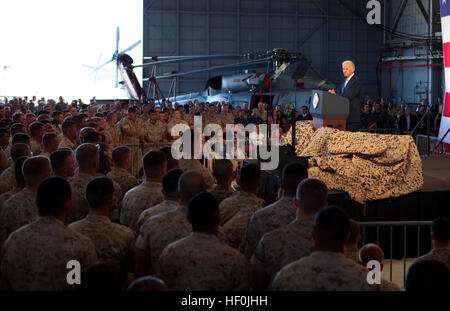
(402, 125)
(353, 92)
(303, 118)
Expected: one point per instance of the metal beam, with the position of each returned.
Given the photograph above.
(398, 16)
(422, 9)
(310, 34)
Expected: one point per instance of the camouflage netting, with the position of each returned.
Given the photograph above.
(366, 166)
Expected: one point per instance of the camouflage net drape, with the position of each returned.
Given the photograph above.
(366, 166)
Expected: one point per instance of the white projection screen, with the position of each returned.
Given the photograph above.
(49, 46)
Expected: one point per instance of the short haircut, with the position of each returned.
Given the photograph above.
(52, 195)
(120, 154)
(331, 226)
(67, 125)
(132, 109)
(19, 150)
(21, 138)
(48, 138)
(249, 175)
(171, 161)
(35, 170)
(222, 169)
(170, 180)
(190, 183)
(312, 195)
(36, 125)
(147, 283)
(17, 128)
(293, 173)
(153, 163)
(440, 228)
(85, 155)
(98, 190)
(18, 164)
(355, 232)
(203, 211)
(104, 162)
(370, 252)
(428, 275)
(91, 137)
(58, 158)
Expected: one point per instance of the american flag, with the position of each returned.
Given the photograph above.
(445, 22)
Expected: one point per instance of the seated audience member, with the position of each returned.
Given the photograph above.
(440, 238)
(50, 143)
(69, 139)
(147, 284)
(169, 190)
(20, 209)
(223, 173)
(120, 172)
(428, 275)
(91, 138)
(351, 250)
(148, 193)
(326, 269)
(373, 252)
(63, 163)
(171, 161)
(385, 121)
(305, 116)
(291, 242)
(200, 261)
(367, 118)
(36, 132)
(249, 181)
(279, 213)
(35, 257)
(88, 162)
(21, 138)
(407, 122)
(114, 243)
(159, 231)
(7, 177)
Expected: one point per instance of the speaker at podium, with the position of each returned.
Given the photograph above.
(329, 110)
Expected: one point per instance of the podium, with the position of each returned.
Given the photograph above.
(329, 110)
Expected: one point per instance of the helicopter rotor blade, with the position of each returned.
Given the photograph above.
(131, 47)
(97, 68)
(190, 59)
(117, 38)
(117, 75)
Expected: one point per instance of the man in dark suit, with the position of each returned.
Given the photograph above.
(351, 89)
(305, 115)
(407, 122)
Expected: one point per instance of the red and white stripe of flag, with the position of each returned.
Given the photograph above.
(445, 120)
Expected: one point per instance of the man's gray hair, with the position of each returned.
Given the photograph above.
(349, 61)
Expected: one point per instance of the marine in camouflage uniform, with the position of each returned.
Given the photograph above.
(322, 271)
(267, 219)
(232, 205)
(136, 200)
(65, 142)
(114, 243)
(220, 193)
(282, 246)
(352, 253)
(122, 177)
(194, 164)
(35, 257)
(7, 179)
(202, 262)
(19, 210)
(155, 133)
(78, 183)
(440, 254)
(133, 142)
(164, 206)
(113, 134)
(36, 147)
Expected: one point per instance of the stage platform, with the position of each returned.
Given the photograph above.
(431, 202)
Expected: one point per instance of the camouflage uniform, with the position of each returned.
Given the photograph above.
(112, 134)
(66, 143)
(45, 154)
(161, 230)
(123, 178)
(267, 219)
(7, 179)
(118, 196)
(57, 128)
(352, 253)
(164, 206)
(387, 286)
(440, 254)
(19, 210)
(201, 262)
(136, 200)
(155, 131)
(226, 119)
(78, 183)
(232, 205)
(36, 147)
(172, 123)
(282, 246)
(189, 119)
(322, 271)
(221, 193)
(5, 196)
(133, 143)
(212, 119)
(35, 257)
(114, 243)
(194, 164)
(234, 229)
